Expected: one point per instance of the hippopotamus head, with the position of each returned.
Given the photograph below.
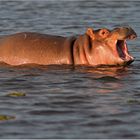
(108, 47)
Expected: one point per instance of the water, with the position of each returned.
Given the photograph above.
(66, 101)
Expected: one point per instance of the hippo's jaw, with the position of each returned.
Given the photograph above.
(122, 50)
(122, 34)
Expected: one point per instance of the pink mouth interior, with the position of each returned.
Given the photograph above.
(122, 49)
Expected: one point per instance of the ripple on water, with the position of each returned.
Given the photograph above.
(50, 112)
(108, 79)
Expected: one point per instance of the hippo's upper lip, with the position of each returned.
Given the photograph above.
(131, 36)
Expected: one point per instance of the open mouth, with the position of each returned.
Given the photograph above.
(121, 34)
(122, 50)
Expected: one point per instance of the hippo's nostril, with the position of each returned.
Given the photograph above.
(133, 36)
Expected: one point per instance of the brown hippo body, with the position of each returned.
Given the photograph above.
(35, 48)
(99, 47)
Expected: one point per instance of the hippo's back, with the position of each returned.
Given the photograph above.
(29, 47)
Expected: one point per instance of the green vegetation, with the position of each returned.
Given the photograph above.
(5, 117)
(133, 101)
(16, 94)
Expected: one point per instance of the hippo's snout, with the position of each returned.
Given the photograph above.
(122, 33)
(132, 36)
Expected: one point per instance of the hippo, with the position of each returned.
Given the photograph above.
(93, 48)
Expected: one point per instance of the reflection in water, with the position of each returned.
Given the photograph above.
(114, 72)
(107, 79)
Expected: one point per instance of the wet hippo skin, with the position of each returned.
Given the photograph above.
(95, 47)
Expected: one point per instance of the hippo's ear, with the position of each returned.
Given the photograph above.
(104, 32)
(90, 33)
